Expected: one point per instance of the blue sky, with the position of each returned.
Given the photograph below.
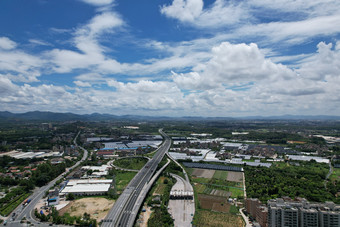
(171, 57)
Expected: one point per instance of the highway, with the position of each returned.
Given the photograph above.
(38, 195)
(123, 212)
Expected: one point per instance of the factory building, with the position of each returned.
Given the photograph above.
(87, 187)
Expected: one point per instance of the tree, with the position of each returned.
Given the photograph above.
(70, 196)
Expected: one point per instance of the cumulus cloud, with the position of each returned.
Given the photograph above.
(324, 64)
(233, 63)
(6, 85)
(184, 10)
(7, 44)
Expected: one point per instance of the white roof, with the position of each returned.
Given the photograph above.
(308, 158)
(88, 185)
(86, 188)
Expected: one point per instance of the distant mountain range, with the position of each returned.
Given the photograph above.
(51, 116)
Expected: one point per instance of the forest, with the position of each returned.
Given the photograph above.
(300, 179)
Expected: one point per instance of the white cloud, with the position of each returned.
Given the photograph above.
(102, 22)
(6, 86)
(7, 44)
(233, 63)
(81, 83)
(19, 65)
(309, 8)
(294, 32)
(39, 42)
(290, 21)
(324, 64)
(184, 10)
(86, 40)
(220, 13)
(98, 2)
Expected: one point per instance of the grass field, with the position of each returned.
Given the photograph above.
(233, 210)
(160, 186)
(206, 218)
(236, 192)
(122, 179)
(189, 170)
(131, 163)
(199, 188)
(219, 174)
(201, 180)
(335, 175)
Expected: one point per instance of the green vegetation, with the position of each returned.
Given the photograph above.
(219, 182)
(174, 168)
(207, 218)
(123, 178)
(335, 176)
(160, 215)
(161, 184)
(219, 174)
(11, 205)
(280, 180)
(44, 173)
(66, 219)
(120, 179)
(234, 209)
(131, 163)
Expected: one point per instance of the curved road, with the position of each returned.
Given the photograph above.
(39, 194)
(182, 210)
(122, 211)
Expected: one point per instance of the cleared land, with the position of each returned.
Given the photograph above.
(97, 207)
(214, 203)
(205, 173)
(218, 174)
(235, 176)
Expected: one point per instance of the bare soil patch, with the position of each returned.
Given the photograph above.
(96, 207)
(208, 201)
(221, 207)
(205, 173)
(144, 217)
(235, 176)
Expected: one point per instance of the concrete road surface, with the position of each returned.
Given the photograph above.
(182, 211)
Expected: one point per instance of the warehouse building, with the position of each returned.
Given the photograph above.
(87, 187)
